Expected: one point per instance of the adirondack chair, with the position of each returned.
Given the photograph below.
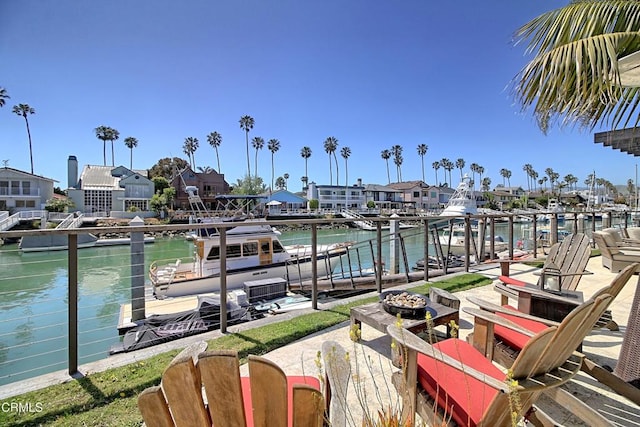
(567, 260)
(266, 397)
(503, 344)
(452, 380)
(614, 256)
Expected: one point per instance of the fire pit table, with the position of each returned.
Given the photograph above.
(375, 315)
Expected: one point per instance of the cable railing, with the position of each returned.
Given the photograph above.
(62, 309)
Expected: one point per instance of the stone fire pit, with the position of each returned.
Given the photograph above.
(407, 304)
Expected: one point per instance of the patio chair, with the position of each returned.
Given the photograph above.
(504, 344)
(266, 397)
(615, 257)
(453, 380)
(566, 262)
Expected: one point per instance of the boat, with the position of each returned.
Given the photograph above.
(48, 242)
(454, 237)
(462, 201)
(554, 208)
(253, 252)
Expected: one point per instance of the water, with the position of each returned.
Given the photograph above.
(33, 294)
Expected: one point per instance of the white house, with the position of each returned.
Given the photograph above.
(337, 197)
(23, 191)
(108, 188)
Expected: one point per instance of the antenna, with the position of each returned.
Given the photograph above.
(5, 163)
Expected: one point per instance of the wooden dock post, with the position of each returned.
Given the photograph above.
(137, 271)
(394, 244)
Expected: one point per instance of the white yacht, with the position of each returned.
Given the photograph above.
(462, 201)
(454, 239)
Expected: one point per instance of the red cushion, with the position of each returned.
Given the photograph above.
(464, 397)
(511, 281)
(291, 380)
(514, 339)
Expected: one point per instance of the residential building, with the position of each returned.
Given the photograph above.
(337, 197)
(418, 195)
(282, 200)
(23, 191)
(209, 185)
(384, 197)
(108, 188)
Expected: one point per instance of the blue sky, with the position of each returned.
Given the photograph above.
(371, 73)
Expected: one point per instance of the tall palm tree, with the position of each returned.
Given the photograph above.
(102, 133)
(286, 180)
(386, 155)
(131, 142)
(504, 173)
(422, 150)
(396, 150)
(305, 152)
(3, 96)
(273, 145)
(345, 152)
(574, 76)
(474, 170)
(330, 146)
(527, 168)
(24, 110)
(215, 139)
(447, 165)
(436, 165)
(113, 136)
(189, 148)
(246, 124)
(460, 163)
(258, 143)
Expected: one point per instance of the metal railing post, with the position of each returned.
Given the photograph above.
(223, 280)
(72, 243)
(314, 266)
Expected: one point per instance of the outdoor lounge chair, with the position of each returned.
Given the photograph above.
(567, 261)
(504, 344)
(615, 257)
(454, 380)
(266, 397)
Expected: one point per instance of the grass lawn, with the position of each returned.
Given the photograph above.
(109, 398)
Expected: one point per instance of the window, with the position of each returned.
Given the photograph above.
(416, 194)
(264, 248)
(214, 253)
(30, 204)
(249, 249)
(277, 247)
(26, 188)
(4, 188)
(234, 251)
(15, 188)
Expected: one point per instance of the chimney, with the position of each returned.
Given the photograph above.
(72, 172)
(359, 182)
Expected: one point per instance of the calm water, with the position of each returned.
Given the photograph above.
(33, 295)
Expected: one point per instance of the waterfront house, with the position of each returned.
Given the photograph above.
(418, 195)
(23, 191)
(383, 196)
(108, 189)
(282, 201)
(209, 184)
(337, 197)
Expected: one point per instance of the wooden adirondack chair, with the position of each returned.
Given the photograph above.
(452, 380)
(503, 344)
(266, 398)
(567, 260)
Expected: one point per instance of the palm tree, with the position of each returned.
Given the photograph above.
(330, 146)
(3, 96)
(258, 143)
(246, 124)
(273, 145)
(305, 152)
(189, 148)
(474, 170)
(102, 133)
(24, 110)
(422, 150)
(396, 150)
(286, 180)
(436, 165)
(527, 168)
(486, 184)
(113, 136)
(280, 183)
(460, 163)
(386, 155)
(574, 76)
(447, 165)
(505, 173)
(131, 142)
(345, 152)
(215, 139)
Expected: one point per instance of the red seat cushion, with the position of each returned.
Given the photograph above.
(464, 397)
(514, 339)
(291, 381)
(511, 281)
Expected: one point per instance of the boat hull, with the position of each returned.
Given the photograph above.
(293, 271)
